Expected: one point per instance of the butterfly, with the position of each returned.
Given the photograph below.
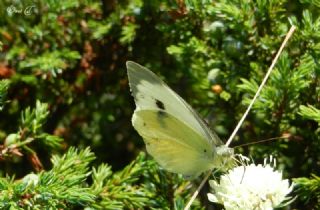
(174, 134)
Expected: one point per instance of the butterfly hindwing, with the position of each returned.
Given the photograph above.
(172, 143)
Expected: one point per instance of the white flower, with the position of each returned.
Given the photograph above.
(248, 187)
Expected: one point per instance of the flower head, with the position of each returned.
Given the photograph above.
(250, 187)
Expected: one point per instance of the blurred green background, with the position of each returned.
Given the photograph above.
(71, 55)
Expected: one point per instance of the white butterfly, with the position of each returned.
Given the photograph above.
(173, 132)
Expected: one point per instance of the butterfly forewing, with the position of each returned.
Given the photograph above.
(173, 144)
(152, 93)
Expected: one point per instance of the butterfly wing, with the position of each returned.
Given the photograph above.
(185, 134)
(173, 144)
(151, 93)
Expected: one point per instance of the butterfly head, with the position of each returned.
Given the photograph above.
(224, 160)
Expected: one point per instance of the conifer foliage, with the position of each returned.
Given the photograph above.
(66, 139)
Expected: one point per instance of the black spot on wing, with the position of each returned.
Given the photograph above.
(161, 115)
(160, 104)
(141, 96)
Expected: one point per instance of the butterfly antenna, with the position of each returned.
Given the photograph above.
(264, 140)
(289, 34)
